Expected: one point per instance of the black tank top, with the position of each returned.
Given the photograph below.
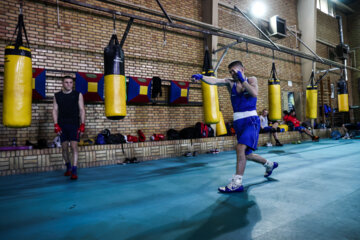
(68, 108)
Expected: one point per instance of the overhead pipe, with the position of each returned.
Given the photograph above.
(339, 18)
(289, 30)
(165, 13)
(212, 30)
(252, 23)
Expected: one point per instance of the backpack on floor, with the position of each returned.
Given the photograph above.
(187, 133)
(354, 133)
(211, 131)
(100, 139)
(201, 130)
(115, 139)
(335, 135)
(172, 134)
(230, 129)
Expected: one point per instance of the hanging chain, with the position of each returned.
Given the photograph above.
(164, 29)
(247, 48)
(58, 15)
(21, 6)
(114, 26)
(312, 74)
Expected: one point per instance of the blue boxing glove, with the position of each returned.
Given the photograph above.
(240, 77)
(197, 76)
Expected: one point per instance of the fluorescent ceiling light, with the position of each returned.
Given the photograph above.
(258, 9)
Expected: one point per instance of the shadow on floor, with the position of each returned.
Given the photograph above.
(231, 215)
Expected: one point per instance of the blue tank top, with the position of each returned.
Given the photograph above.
(242, 102)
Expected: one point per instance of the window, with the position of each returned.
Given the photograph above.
(288, 101)
(326, 6)
(291, 101)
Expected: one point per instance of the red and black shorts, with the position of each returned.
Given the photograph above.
(69, 132)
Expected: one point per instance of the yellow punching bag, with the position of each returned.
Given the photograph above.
(209, 93)
(114, 80)
(343, 96)
(17, 97)
(311, 102)
(211, 103)
(274, 96)
(220, 126)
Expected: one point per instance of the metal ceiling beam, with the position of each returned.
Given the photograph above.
(145, 19)
(252, 23)
(157, 13)
(226, 47)
(328, 70)
(221, 59)
(289, 30)
(163, 9)
(130, 22)
(213, 30)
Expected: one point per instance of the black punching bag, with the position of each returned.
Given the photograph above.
(343, 96)
(114, 80)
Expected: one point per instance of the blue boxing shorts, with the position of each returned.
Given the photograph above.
(247, 132)
(69, 132)
(300, 128)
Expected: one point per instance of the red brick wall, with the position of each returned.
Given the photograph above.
(78, 46)
(258, 60)
(328, 30)
(354, 41)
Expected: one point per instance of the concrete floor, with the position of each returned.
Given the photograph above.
(314, 194)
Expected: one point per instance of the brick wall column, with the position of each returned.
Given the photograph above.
(354, 37)
(307, 24)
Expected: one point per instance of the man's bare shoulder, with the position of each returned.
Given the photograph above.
(252, 79)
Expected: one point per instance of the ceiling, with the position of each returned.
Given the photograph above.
(347, 6)
(348, 2)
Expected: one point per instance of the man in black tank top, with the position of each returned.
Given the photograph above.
(69, 122)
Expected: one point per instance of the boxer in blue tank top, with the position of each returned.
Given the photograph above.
(243, 92)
